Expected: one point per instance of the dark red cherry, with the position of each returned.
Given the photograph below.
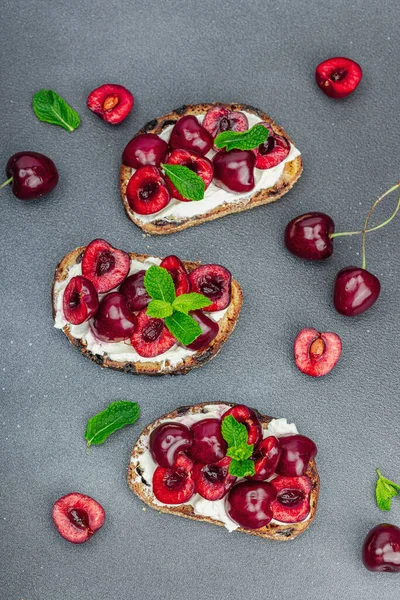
(80, 300)
(338, 77)
(105, 266)
(308, 236)
(296, 452)
(355, 291)
(381, 549)
(31, 174)
(77, 517)
(249, 503)
(176, 269)
(134, 291)
(167, 441)
(174, 485)
(247, 416)
(215, 282)
(147, 192)
(114, 322)
(209, 330)
(145, 149)
(208, 444)
(111, 102)
(234, 170)
(188, 134)
(213, 481)
(266, 458)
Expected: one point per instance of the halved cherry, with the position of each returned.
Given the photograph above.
(105, 266)
(111, 102)
(213, 481)
(200, 165)
(292, 503)
(219, 119)
(174, 485)
(147, 192)
(316, 353)
(80, 300)
(247, 416)
(77, 517)
(178, 273)
(338, 77)
(266, 458)
(151, 337)
(273, 151)
(215, 282)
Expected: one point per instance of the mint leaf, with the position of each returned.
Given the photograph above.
(241, 452)
(189, 184)
(49, 107)
(159, 309)
(115, 416)
(183, 327)
(242, 140)
(234, 433)
(241, 468)
(159, 284)
(192, 301)
(385, 491)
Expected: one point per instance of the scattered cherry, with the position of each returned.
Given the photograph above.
(167, 441)
(77, 517)
(234, 170)
(134, 291)
(147, 192)
(105, 266)
(213, 281)
(200, 165)
(31, 175)
(176, 269)
(292, 504)
(266, 458)
(213, 481)
(151, 337)
(174, 485)
(208, 444)
(355, 291)
(309, 236)
(114, 322)
(111, 102)
(296, 452)
(145, 149)
(188, 134)
(247, 416)
(316, 353)
(381, 549)
(209, 330)
(249, 503)
(80, 300)
(338, 77)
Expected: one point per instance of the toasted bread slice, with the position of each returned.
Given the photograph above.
(142, 488)
(226, 326)
(290, 175)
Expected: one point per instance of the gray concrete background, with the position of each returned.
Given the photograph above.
(168, 54)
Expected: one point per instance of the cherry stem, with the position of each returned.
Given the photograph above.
(6, 183)
(365, 230)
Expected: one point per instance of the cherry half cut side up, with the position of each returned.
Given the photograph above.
(80, 300)
(316, 353)
(105, 266)
(111, 102)
(77, 517)
(147, 192)
(338, 77)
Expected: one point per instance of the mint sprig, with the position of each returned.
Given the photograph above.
(190, 185)
(115, 416)
(235, 434)
(173, 309)
(385, 491)
(49, 107)
(242, 140)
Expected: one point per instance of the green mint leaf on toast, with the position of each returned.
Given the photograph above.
(241, 468)
(192, 301)
(159, 309)
(159, 284)
(234, 433)
(242, 140)
(115, 416)
(187, 182)
(385, 491)
(241, 452)
(183, 327)
(49, 107)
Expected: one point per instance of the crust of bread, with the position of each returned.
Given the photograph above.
(290, 175)
(142, 488)
(226, 326)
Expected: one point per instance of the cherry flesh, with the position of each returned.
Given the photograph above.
(308, 236)
(381, 549)
(174, 485)
(316, 353)
(273, 151)
(338, 77)
(266, 458)
(80, 300)
(105, 266)
(114, 322)
(77, 517)
(215, 282)
(167, 441)
(134, 291)
(32, 175)
(292, 504)
(249, 503)
(147, 192)
(209, 331)
(234, 170)
(208, 444)
(188, 134)
(145, 149)
(151, 337)
(355, 291)
(247, 416)
(111, 102)
(200, 165)
(296, 452)
(213, 481)
(176, 269)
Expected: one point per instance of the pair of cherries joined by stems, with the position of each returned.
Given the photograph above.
(310, 236)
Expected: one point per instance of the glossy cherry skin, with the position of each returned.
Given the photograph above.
(209, 330)
(308, 236)
(355, 291)
(134, 291)
(296, 453)
(208, 444)
(80, 300)
(188, 134)
(249, 503)
(145, 149)
(381, 549)
(168, 440)
(34, 175)
(114, 322)
(234, 170)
